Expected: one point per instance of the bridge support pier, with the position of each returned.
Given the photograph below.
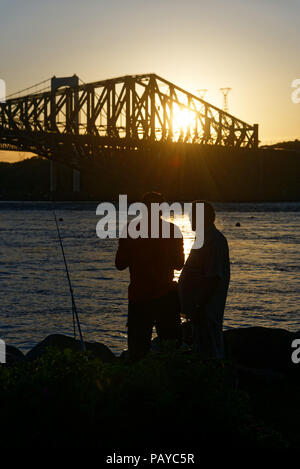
(53, 176)
(76, 180)
(63, 178)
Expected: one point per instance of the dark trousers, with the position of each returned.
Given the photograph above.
(163, 313)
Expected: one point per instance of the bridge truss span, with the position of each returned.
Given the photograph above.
(126, 112)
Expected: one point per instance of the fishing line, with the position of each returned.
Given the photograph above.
(74, 309)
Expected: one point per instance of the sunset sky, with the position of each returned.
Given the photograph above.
(252, 47)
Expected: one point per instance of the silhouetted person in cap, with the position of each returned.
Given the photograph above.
(152, 292)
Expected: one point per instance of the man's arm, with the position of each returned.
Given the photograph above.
(212, 275)
(209, 285)
(122, 255)
(208, 288)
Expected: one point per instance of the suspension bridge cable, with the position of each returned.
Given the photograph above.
(28, 88)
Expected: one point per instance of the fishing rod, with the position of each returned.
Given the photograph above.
(74, 309)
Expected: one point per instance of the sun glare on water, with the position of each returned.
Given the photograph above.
(183, 222)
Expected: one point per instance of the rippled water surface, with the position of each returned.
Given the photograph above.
(35, 298)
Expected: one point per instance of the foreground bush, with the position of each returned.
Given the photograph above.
(171, 400)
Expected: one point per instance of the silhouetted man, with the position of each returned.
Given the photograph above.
(152, 293)
(203, 286)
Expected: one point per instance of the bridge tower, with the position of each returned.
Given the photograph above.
(55, 84)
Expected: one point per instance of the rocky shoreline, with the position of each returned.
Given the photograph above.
(253, 347)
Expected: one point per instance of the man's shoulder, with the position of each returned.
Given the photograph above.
(222, 245)
(220, 236)
(219, 241)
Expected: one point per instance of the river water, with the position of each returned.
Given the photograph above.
(35, 299)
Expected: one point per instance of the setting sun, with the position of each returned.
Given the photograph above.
(183, 120)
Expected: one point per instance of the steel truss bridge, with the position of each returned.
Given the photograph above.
(77, 123)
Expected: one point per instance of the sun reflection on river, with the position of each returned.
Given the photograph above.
(183, 222)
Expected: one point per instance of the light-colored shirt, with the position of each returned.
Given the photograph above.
(212, 260)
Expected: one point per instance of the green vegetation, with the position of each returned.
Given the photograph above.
(168, 400)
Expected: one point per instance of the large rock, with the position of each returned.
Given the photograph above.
(261, 348)
(13, 355)
(63, 342)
